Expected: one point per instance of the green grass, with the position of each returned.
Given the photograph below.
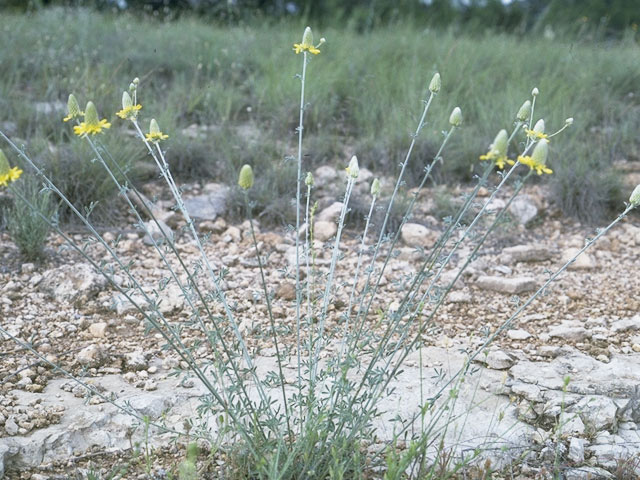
(364, 93)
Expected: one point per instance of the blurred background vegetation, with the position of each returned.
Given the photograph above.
(219, 77)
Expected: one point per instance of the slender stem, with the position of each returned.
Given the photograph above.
(270, 312)
(297, 232)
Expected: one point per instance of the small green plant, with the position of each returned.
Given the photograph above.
(28, 219)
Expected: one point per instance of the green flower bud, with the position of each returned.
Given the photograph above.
(435, 84)
(154, 128)
(73, 108)
(136, 81)
(4, 164)
(500, 143)
(375, 187)
(535, 92)
(126, 100)
(539, 126)
(308, 181)
(634, 199)
(541, 152)
(353, 170)
(524, 112)
(91, 114)
(132, 87)
(455, 118)
(307, 36)
(245, 179)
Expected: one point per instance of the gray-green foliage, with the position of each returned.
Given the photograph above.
(24, 219)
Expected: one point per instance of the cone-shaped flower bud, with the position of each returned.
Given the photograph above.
(91, 114)
(308, 181)
(524, 112)
(132, 87)
(500, 143)
(353, 170)
(541, 152)
(126, 101)
(535, 92)
(307, 36)
(455, 119)
(539, 126)
(136, 81)
(634, 199)
(245, 179)
(375, 187)
(73, 108)
(155, 134)
(569, 121)
(435, 84)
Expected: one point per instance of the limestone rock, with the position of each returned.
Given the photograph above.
(72, 283)
(98, 329)
(210, 204)
(524, 209)
(323, 231)
(157, 231)
(330, 214)
(583, 262)
(91, 356)
(511, 286)
(526, 253)
(416, 235)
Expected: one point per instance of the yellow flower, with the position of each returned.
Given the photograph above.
(245, 179)
(92, 124)
(498, 150)
(7, 174)
(129, 110)
(307, 43)
(537, 133)
(155, 135)
(538, 159)
(73, 109)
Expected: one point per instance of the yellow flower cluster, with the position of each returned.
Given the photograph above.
(538, 159)
(498, 150)
(155, 135)
(7, 173)
(129, 110)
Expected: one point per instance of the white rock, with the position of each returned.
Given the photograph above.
(416, 235)
(11, 427)
(160, 232)
(523, 208)
(499, 360)
(331, 213)
(583, 262)
(576, 450)
(72, 283)
(598, 412)
(512, 286)
(323, 231)
(91, 356)
(459, 297)
(324, 175)
(526, 253)
(135, 360)
(570, 332)
(518, 334)
(98, 329)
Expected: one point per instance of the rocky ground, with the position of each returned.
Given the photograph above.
(586, 326)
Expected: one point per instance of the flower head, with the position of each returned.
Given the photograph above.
(455, 119)
(634, 199)
(498, 150)
(538, 159)
(129, 110)
(92, 124)
(353, 170)
(73, 109)
(307, 43)
(375, 187)
(435, 84)
(524, 112)
(308, 181)
(245, 179)
(537, 132)
(7, 174)
(155, 135)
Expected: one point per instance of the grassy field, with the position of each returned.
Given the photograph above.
(364, 95)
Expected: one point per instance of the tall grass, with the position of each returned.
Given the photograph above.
(237, 76)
